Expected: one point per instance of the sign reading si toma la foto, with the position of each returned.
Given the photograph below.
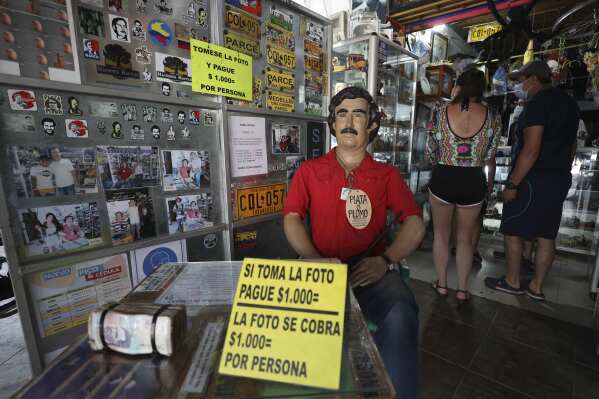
(220, 71)
(260, 200)
(287, 323)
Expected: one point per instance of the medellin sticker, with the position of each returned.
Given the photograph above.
(156, 132)
(74, 109)
(137, 31)
(185, 133)
(195, 117)
(173, 69)
(117, 130)
(149, 113)
(143, 55)
(117, 63)
(163, 7)
(251, 6)
(76, 128)
(22, 100)
(91, 49)
(52, 104)
(119, 28)
(166, 116)
(170, 133)
(49, 126)
(137, 133)
(208, 118)
(281, 19)
(129, 112)
(182, 35)
(160, 33)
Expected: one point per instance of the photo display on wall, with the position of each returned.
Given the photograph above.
(38, 40)
(189, 212)
(185, 169)
(60, 228)
(138, 43)
(128, 166)
(131, 215)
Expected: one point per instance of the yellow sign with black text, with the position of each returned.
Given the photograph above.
(278, 56)
(220, 71)
(242, 44)
(313, 63)
(279, 80)
(479, 33)
(281, 102)
(260, 200)
(287, 318)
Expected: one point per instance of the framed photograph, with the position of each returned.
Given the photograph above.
(185, 169)
(47, 171)
(285, 139)
(60, 228)
(131, 215)
(128, 166)
(189, 212)
(439, 47)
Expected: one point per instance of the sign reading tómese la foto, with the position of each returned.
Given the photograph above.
(220, 71)
(286, 324)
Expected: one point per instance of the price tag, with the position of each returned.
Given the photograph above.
(287, 317)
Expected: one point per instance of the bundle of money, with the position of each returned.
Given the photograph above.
(129, 328)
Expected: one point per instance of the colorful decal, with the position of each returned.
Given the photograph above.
(173, 69)
(279, 80)
(160, 33)
(91, 49)
(76, 128)
(278, 56)
(281, 19)
(242, 44)
(22, 100)
(195, 117)
(313, 63)
(278, 101)
(251, 6)
(279, 37)
(242, 22)
(312, 48)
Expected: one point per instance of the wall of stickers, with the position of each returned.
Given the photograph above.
(111, 164)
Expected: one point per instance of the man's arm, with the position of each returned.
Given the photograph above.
(298, 237)
(533, 136)
(372, 269)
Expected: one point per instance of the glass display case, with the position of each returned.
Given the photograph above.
(388, 72)
(578, 232)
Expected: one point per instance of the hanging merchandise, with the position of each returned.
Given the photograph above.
(242, 44)
(278, 101)
(280, 80)
(240, 21)
(279, 57)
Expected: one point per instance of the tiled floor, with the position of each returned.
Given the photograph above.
(489, 350)
(495, 347)
(14, 361)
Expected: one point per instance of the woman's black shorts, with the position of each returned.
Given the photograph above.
(459, 185)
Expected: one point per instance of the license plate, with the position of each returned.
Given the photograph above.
(278, 101)
(242, 44)
(251, 6)
(313, 63)
(278, 37)
(279, 80)
(282, 19)
(314, 31)
(260, 200)
(280, 57)
(312, 48)
(242, 22)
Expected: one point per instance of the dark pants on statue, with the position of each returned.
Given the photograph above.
(390, 304)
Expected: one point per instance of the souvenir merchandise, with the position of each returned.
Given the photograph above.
(278, 101)
(160, 32)
(91, 22)
(143, 55)
(170, 133)
(280, 18)
(60, 228)
(119, 28)
(76, 128)
(118, 65)
(149, 113)
(242, 22)
(22, 100)
(19, 123)
(279, 80)
(279, 37)
(155, 132)
(104, 109)
(48, 126)
(250, 6)
(165, 89)
(129, 112)
(185, 133)
(185, 169)
(101, 126)
(285, 139)
(138, 31)
(91, 49)
(118, 5)
(189, 212)
(73, 107)
(195, 117)
(131, 212)
(242, 44)
(137, 132)
(52, 104)
(208, 118)
(117, 130)
(173, 69)
(117, 166)
(166, 116)
(181, 117)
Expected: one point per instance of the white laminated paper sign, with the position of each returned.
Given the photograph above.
(202, 362)
(248, 146)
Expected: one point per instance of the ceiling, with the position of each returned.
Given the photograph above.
(416, 15)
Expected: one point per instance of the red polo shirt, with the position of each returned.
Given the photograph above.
(316, 189)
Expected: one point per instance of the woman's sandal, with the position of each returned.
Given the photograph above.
(438, 287)
(466, 296)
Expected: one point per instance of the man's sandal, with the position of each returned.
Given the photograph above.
(435, 285)
(466, 296)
